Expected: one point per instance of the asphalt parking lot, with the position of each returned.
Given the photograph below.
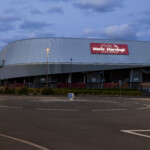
(86, 123)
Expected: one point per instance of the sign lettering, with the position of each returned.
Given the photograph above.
(105, 48)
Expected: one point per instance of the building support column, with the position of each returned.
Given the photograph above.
(131, 77)
(84, 78)
(24, 81)
(69, 78)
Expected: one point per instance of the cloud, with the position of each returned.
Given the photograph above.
(21, 36)
(146, 12)
(56, 0)
(35, 11)
(8, 19)
(34, 25)
(123, 32)
(42, 34)
(89, 33)
(7, 23)
(22, 1)
(6, 40)
(55, 10)
(99, 5)
(10, 11)
(144, 21)
(6, 27)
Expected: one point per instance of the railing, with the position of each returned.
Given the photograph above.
(73, 85)
(17, 85)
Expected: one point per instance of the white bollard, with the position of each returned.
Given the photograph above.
(71, 96)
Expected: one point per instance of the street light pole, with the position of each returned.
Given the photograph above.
(71, 73)
(47, 51)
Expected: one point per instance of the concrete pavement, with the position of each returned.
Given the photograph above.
(88, 123)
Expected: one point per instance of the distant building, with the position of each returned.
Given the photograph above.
(75, 62)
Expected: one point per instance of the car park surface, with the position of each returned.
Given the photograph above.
(87, 122)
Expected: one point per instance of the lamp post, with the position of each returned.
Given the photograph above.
(71, 73)
(47, 51)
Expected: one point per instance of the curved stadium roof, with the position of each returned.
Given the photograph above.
(28, 57)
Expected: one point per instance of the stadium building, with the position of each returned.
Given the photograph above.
(73, 62)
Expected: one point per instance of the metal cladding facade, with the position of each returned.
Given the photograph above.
(28, 57)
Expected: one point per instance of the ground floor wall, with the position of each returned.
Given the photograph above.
(130, 77)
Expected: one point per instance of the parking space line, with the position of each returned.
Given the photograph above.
(11, 107)
(25, 142)
(146, 107)
(134, 132)
(47, 109)
(109, 109)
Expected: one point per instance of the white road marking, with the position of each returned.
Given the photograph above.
(134, 132)
(147, 107)
(76, 100)
(47, 109)
(47, 100)
(109, 109)
(134, 103)
(11, 107)
(25, 142)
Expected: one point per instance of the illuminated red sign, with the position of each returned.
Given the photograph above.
(105, 48)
